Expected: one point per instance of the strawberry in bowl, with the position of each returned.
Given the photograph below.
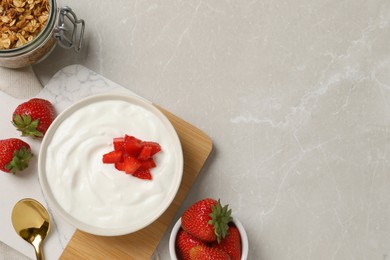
(207, 230)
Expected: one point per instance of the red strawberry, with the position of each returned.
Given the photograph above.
(112, 157)
(145, 153)
(15, 155)
(207, 220)
(143, 174)
(132, 145)
(118, 143)
(231, 243)
(155, 147)
(147, 164)
(33, 117)
(120, 166)
(208, 253)
(184, 242)
(131, 165)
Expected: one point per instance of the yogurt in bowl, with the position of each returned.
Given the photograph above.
(96, 197)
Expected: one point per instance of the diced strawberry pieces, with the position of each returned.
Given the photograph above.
(130, 138)
(147, 164)
(120, 166)
(155, 147)
(132, 146)
(145, 153)
(143, 174)
(131, 164)
(133, 156)
(118, 143)
(112, 157)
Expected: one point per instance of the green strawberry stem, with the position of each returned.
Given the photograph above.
(26, 125)
(20, 160)
(220, 218)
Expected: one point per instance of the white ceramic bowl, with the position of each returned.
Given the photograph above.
(244, 239)
(95, 197)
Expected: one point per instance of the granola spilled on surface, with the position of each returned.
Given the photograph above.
(21, 21)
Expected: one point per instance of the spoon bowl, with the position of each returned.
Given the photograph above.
(31, 222)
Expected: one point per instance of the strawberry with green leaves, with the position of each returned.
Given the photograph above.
(207, 220)
(15, 155)
(33, 117)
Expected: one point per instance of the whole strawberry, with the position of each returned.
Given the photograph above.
(15, 155)
(33, 117)
(231, 243)
(207, 220)
(184, 242)
(208, 253)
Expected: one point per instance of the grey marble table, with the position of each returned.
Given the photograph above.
(294, 94)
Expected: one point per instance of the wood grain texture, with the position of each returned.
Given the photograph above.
(141, 245)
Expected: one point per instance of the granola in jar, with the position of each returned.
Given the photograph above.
(30, 29)
(21, 21)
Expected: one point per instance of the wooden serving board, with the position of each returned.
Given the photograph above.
(141, 245)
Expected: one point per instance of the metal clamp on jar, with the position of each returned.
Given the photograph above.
(62, 27)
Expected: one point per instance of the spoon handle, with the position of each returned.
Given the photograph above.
(38, 251)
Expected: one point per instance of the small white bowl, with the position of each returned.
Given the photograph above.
(95, 197)
(244, 239)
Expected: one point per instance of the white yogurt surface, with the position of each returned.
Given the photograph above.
(97, 193)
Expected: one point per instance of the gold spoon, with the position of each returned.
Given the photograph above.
(32, 222)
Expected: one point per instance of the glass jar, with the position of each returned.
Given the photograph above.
(55, 31)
